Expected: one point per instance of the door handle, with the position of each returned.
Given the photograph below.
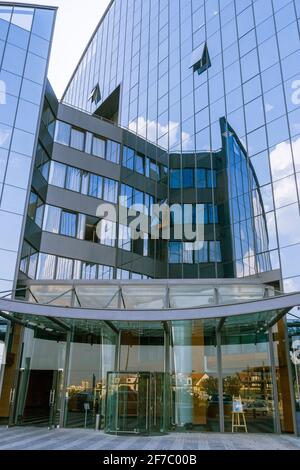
(12, 396)
(51, 397)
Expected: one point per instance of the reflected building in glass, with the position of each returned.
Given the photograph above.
(191, 104)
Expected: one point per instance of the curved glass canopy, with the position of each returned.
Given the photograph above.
(159, 295)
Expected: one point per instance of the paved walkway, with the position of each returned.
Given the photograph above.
(80, 439)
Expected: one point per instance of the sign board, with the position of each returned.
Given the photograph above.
(237, 405)
(295, 354)
(86, 406)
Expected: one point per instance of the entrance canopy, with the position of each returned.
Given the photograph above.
(182, 344)
(147, 301)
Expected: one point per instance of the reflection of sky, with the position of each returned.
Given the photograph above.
(5, 133)
(281, 161)
(170, 134)
(2, 92)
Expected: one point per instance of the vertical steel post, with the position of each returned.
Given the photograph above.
(274, 381)
(63, 408)
(220, 380)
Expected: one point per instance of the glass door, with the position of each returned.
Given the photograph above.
(135, 403)
(128, 403)
(55, 398)
(159, 402)
(37, 397)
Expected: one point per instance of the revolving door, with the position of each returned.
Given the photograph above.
(137, 403)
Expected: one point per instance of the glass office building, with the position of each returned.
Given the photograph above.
(188, 104)
(25, 35)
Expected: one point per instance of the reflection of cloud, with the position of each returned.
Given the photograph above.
(288, 223)
(168, 135)
(281, 160)
(2, 92)
(269, 107)
(4, 135)
(285, 191)
(296, 151)
(246, 266)
(292, 285)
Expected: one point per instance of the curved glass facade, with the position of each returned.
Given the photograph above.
(147, 48)
(180, 119)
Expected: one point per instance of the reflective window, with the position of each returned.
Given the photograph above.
(35, 209)
(201, 178)
(18, 36)
(13, 199)
(62, 133)
(246, 372)
(64, 268)
(95, 188)
(35, 68)
(27, 117)
(110, 190)
(112, 151)
(77, 139)
(14, 59)
(139, 164)
(9, 238)
(3, 162)
(89, 271)
(188, 178)
(73, 180)
(5, 136)
(10, 83)
(107, 232)
(22, 142)
(22, 17)
(57, 174)
(105, 272)
(201, 255)
(128, 157)
(175, 252)
(8, 107)
(18, 170)
(68, 224)
(42, 23)
(175, 179)
(124, 241)
(31, 91)
(38, 46)
(52, 219)
(215, 252)
(98, 148)
(3, 33)
(46, 266)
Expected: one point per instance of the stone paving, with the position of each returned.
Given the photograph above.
(31, 438)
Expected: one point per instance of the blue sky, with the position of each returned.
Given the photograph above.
(76, 21)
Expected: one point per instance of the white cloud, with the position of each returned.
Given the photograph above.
(168, 135)
(2, 92)
(281, 160)
(296, 152)
(269, 107)
(4, 135)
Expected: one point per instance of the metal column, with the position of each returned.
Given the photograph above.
(220, 378)
(64, 398)
(274, 381)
